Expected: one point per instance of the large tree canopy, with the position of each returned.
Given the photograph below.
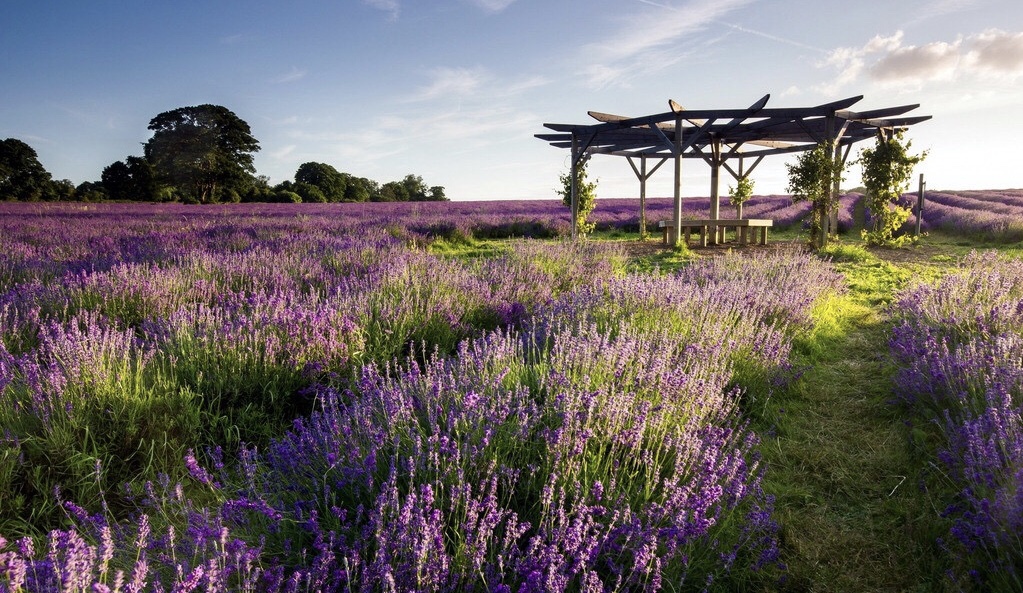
(22, 176)
(325, 178)
(204, 152)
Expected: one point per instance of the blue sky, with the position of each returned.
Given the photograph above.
(453, 90)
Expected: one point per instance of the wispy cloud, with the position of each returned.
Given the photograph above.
(940, 8)
(492, 5)
(293, 75)
(391, 7)
(283, 152)
(771, 37)
(457, 110)
(460, 84)
(450, 82)
(888, 61)
(649, 38)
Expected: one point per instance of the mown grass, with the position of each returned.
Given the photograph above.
(839, 462)
(844, 467)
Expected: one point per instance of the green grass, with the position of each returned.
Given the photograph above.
(842, 464)
(840, 459)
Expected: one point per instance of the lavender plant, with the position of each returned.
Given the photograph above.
(961, 347)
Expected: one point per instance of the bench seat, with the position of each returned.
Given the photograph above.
(741, 227)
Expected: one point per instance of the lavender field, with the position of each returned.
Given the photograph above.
(307, 398)
(303, 399)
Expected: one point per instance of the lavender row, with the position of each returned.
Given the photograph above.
(960, 347)
(46, 225)
(995, 215)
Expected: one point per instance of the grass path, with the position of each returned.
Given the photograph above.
(852, 515)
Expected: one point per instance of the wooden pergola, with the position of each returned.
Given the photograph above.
(718, 136)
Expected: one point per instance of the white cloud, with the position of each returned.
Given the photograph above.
(997, 52)
(933, 61)
(661, 30)
(391, 7)
(888, 61)
(851, 61)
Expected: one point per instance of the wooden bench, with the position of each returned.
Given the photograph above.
(741, 227)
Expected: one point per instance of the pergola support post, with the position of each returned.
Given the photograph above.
(575, 187)
(715, 187)
(677, 203)
(642, 174)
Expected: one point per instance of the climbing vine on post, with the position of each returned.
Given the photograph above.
(740, 194)
(812, 178)
(587, 196)
(887, 168)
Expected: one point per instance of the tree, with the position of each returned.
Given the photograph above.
(887, 168)
(359, 189)
(134, 178)
(62, 190)
(392, 191)
(309, 192)
(91, 191)
(586, 194)
(740, 194)
(22, 176)
(813, 178)
(204, 151)
(437, 194)
(330, 182)
(413, 188)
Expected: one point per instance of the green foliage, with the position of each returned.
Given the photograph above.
(91, 191)
(328, 180)
(586, 195)
(134, 178)
(203, 151)
(740, 194)
(310, 193)
(22, 176)
(117, 423)
(813, 178)
(359, 189)
(887, 168)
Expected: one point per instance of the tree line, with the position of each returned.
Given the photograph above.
(203, 155)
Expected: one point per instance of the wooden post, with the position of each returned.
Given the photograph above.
(715, 185)
(642, 197)
(575, 187)
(920, 203)
(836, 188)
(643, 174)
(738, 207)
(677, 205)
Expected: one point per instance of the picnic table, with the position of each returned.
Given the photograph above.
(741, 226)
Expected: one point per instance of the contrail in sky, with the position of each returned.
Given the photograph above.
(742, 29)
